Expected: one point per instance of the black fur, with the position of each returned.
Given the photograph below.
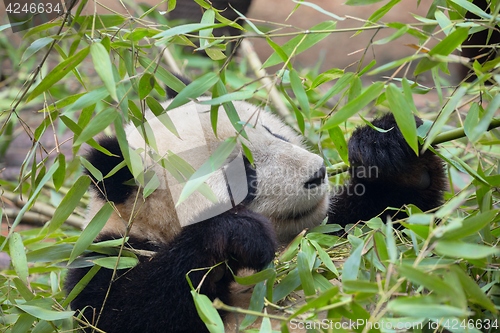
(113, 188)
(385, 172)
(154, 296)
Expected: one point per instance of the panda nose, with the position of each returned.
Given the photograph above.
(317, 179)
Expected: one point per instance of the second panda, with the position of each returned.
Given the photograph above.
(284, 191)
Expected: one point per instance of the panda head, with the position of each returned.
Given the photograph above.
(286, 182)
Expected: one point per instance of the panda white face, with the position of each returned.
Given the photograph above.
(287, 183)
(292, 189)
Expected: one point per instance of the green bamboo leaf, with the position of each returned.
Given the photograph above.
(325, 258)
(43, 313)
(152, 184)
(381, 247)
(104, 67)
(300, 92)
(305, 275)
(194, 90)
(118, 262)
(360, 286)
(207, 313)
(256, 303)
(23, 290)
(424, 307)
(69, 202)
(23, 323)
(58, 73)
(162, 74)
(379, 13)
(102, 120)
(361, 2)
(474, 293)
(403, 115)
(146, 84)
(329, 75)
(96, 173)
(443, 48)
(164, 36)
(392, 249)
(54, 253)
(229, 97)
(77, 289)
(351, 265)
(60, 175)
(400, 32)
(457, 249)
(91, 231)
(355, 105)
(18, 256)
(470, 226)
(265, 326)
(287, 285)
(36, 46)
(471, 7)
(161, 115)
(443, 21)
(449, 108)
(427, 280)
(279, 51)
(29, 203)
(319, 9)
(213, 163)
(256, 277)
(314, 36)
(104, 21)
(484, 121)
(338, 140)
(87, 99)
(207, 18)
(340, 85)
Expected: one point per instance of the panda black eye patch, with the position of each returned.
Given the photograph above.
(281, 137)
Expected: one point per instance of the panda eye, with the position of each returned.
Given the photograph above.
(274, 134)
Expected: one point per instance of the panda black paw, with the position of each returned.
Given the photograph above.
(252, 241)
(375, 155)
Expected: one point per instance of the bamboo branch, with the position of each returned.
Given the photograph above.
(451, 135)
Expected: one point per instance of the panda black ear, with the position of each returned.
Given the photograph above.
(171, 93)
(113, 188)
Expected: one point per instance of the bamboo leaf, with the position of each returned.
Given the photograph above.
(403, 115)
(213, 163)
(69, 202)
(207, 313)
(104, 68)
(146, 84)
(18, 256)
(118, 262)
(314, 36)
(91, 231)
(457, 249)
(44, 314)
(58, 73)
(194, 90)
(36, 46)
(355, 105)
(102, 120)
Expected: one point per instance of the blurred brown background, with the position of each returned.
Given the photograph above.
(338, 50)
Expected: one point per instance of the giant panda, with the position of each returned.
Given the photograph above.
(284, 191)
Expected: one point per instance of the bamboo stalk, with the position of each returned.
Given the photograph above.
(451, 135)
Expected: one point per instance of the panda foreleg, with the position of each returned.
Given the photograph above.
(155, 296)
(386, 172)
